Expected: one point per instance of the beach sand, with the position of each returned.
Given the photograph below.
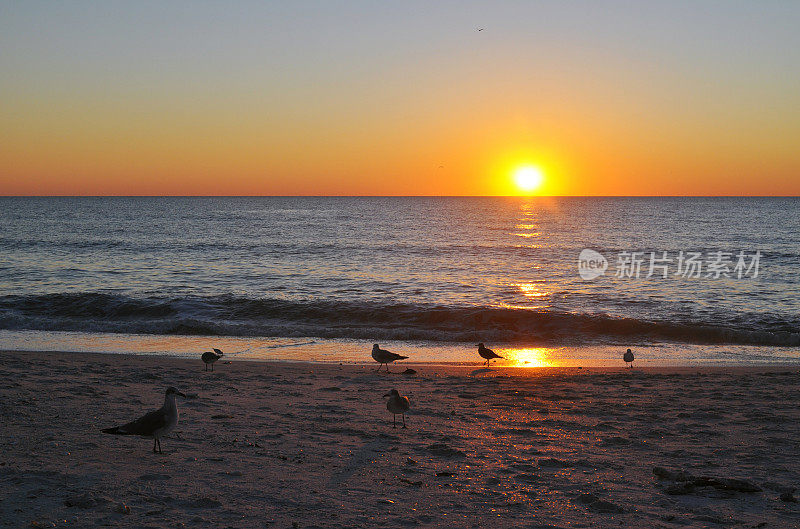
(285, 445)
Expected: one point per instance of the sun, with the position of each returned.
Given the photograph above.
(528, 178)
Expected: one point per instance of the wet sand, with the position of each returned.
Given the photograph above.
(308, 445)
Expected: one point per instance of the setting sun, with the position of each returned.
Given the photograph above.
(528, 178)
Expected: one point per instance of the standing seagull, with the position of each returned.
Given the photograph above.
(628, 357)
(487, 353)
(156, 424)
(397, 404)
(209, 358)
(382, 356)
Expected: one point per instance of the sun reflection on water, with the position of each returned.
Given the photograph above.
(531, 290)
(528, 227)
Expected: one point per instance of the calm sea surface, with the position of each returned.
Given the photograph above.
(323, 278)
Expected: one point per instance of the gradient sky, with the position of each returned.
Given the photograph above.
(399, 98)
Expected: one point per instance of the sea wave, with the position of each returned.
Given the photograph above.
(231, 315)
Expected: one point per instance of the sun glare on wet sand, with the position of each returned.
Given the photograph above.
(528, 357)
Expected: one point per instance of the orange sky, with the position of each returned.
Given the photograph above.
(378, 100)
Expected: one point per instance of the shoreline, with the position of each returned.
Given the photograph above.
(319, 350)
(461, 369)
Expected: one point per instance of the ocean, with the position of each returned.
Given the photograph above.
(552, 281)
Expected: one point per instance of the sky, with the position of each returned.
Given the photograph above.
(399, 98)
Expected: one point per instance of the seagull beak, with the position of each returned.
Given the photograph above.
(388, 395)
(181, 394)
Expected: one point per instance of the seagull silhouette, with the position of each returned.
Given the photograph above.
(382, 356)
(397, 404)
(487, 353)
(209, 358)
(628, 357)
(156, 424)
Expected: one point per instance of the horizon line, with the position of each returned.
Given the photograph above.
(399, 196)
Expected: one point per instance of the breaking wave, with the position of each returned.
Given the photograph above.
(241, 316)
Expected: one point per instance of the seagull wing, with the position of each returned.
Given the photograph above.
(397, 404)
(144, 425)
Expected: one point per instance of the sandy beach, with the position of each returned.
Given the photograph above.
(306, 445)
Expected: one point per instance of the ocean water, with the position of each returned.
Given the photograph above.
(289, 277)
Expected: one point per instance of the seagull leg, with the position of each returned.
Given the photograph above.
(159, 447)
(404, 420)
(394, 420)
(154, 445)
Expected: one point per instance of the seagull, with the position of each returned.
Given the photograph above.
(487, 353)
(628, 357)
(397, 404)
(156, 424)
(209, 358)
(382, 356)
